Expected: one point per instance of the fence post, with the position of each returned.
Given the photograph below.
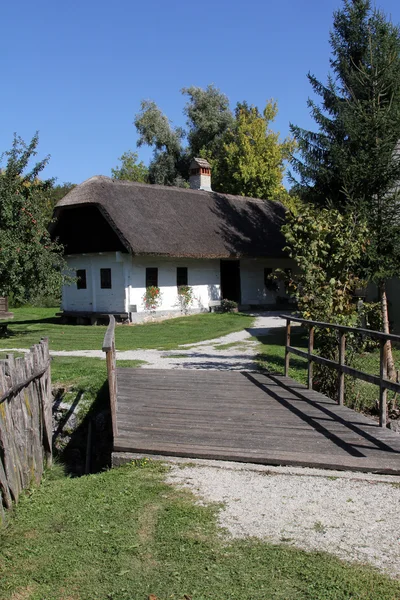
(382, 389)
(342, 361)
(310, 351)
(287, 352)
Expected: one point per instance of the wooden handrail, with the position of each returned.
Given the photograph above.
(381, 380)
(368, 332)
(109, 349)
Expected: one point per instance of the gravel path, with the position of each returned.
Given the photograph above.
(352, 515)
(232, 351)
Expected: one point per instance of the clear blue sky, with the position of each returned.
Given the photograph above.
(77, 70)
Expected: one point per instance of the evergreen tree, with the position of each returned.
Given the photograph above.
(353, 161)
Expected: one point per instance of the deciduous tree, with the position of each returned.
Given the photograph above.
(130, 169)
(31, 264)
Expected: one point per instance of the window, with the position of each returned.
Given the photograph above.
(181, 276)
(105, 279)
(151, 277)
(81, 279)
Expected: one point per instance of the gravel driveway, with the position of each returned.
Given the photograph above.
(352, 515)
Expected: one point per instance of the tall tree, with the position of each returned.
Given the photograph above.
(31, 264)
(250, 160)
(246, 155)
(208, 118)
(130, 169)
(168, 166)
(353, 161)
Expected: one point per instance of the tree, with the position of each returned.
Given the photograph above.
(246, 155)
(57, 192)
(353, 162)
(31, 264)
(168, 166)
(326, 246)
(130, 169)
(208, 118)
(250, 161)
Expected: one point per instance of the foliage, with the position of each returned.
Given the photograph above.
(229, 305)
(185, 298)
(30, 262)
(30, 324)
(327, 247)
(353, 161)
(208, 118)
(152, 298)
(130, 535)
(169, 165)
(247, 157)
(130, 169)
(250, 161)
(58, 191)
(352, 156)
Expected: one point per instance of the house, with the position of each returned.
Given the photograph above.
(121, 237)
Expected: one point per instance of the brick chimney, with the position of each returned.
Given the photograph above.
(200, 175)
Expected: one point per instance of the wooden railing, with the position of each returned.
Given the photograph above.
(381, 380)
(25, 421)
(109, 349)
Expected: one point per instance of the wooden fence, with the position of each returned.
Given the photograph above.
(25, 422)
(109, 349)
(381, 380)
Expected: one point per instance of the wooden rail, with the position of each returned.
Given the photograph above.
(381, 380)
(109, 349)
(25, 422)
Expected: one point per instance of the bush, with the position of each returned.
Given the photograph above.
(229, 305)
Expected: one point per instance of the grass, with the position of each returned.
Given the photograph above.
(30, 324)
(124, 535)
(272, 357)
(83, 379)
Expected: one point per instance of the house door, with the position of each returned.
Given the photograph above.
(230, 280)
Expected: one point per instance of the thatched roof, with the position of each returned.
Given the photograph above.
(169, 221)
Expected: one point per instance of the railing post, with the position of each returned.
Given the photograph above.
(342, 361)
(287, 351)
(310, 351)
(382, 389)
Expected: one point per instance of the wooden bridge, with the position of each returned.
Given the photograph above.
(249, 416)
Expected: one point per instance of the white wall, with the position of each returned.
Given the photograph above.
(203, 277)
(94, 298)
(253, 290)
(129, 280)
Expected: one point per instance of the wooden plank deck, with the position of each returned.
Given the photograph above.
(248, 417)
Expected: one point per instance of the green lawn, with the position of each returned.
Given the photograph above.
(124, 534)
(272, 357)
(30, 324)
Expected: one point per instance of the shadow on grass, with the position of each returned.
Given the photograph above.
(273, 350)
(90, 444)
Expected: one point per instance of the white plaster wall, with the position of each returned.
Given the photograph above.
(94, 298)
(253, 290)
(203, 277)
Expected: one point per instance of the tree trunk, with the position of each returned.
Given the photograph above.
(385, 319)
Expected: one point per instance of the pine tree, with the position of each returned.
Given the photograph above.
(353, 161)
